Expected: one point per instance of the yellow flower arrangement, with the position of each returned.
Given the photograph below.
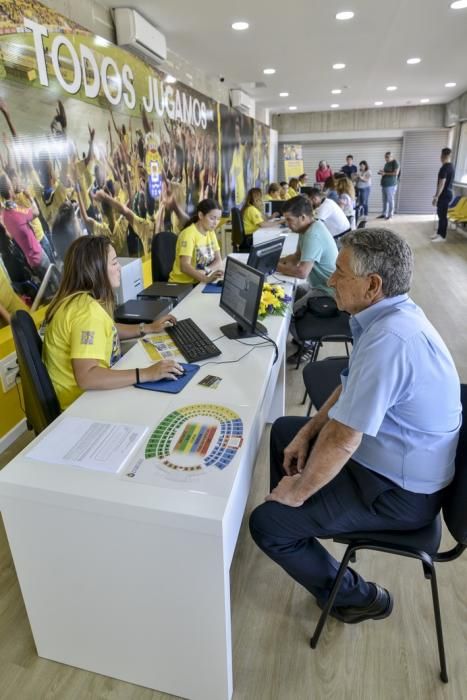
(274, 300)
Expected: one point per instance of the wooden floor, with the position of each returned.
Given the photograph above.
(272, 616)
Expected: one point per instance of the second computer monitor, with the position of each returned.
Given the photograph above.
(277, 206)
(265, 256)
(240, 298)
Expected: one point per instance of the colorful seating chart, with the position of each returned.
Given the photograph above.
(196, 438)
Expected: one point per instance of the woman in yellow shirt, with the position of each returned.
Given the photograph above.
(197, 255)
(294, 187)
(274, 193)
(81, 340)
(252, 215)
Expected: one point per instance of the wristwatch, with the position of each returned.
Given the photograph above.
(141, 329)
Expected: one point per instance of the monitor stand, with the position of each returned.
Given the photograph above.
(235, 331)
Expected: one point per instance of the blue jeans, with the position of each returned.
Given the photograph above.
(389, 196)
(363, 197)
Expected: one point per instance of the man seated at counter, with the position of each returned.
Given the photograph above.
(329, 212)
(381, 449)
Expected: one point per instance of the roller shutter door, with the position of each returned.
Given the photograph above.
(335, 152)
(419, 170)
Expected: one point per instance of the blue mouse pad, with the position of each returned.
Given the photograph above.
(171, 386)
(211, 288)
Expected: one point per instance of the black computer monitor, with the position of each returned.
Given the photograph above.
(265, 256)
(306, 190)
(240, 298)
(277, 206)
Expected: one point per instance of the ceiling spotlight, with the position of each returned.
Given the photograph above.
(339, 66)
(378, 103)
(334, 105)
(337, 91)
(269, 71)
(344, 15)
(240, 26)
(450, 84)
(413, 61)
(292, 107)
(391, 88)
(170, 79)
(283, 94)
(424, 100)
(458, 5)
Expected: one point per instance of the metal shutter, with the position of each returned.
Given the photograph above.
(419, 170)
(335, 152)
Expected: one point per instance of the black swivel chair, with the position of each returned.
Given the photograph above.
(309, 327)
(40, 400)
(163, 246)
(418, 544)
(321, 378)
(238, 231)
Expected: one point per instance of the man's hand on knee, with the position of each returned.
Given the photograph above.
(295, 454)
(285, 492)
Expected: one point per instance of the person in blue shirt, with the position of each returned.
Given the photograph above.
(349, 169)
(381, 449)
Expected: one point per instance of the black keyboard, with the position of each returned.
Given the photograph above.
(191, 341)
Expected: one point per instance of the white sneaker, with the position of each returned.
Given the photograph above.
(438, 239)
(434, 237)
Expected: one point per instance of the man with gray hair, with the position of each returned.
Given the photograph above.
(378, 453)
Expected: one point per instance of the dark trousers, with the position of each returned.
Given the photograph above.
(356, 500)
(442, 210)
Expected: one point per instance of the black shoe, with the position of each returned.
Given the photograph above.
(305, 356)
(378, 609)
(381, 216)
(388, 217)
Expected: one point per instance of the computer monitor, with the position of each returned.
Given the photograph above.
(240, 298)
(277, 206)
(268, 207)
(306, 190)
(265, 256)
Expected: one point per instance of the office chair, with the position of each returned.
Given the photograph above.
(420, 544)
(40, 400)
(163, 247)
(321, 378)
(238, 231)
(309, 327)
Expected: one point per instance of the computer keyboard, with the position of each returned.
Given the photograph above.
(191, 341)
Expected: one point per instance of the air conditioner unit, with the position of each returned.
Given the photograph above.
(243, 102)
(138, 35)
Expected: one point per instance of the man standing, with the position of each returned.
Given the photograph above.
(381, 449)
(329, 212)
(389, 175)
(443, 194)
(349, 169)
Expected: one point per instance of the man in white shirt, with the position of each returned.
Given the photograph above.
(330, 213)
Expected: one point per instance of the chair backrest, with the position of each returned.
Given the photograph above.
(238, 231)
(454, 502)
(163, 248)
(40, 400)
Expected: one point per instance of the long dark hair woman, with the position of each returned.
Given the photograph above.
(81, 340)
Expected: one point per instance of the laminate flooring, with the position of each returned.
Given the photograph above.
(272, 616)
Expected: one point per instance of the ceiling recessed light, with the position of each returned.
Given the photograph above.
(379, 103)
(344, 15)
(170, 79)
(292, 107)
(413, 61)
(450, 84)
(337, 91)
(283, 94)
(269, 71)
(459, 5)
(240, 26)
(424, 100)
(391, 88)
(334, 105)
(339, 66)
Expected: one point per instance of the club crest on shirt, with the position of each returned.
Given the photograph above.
(183, 244)
(87, 337)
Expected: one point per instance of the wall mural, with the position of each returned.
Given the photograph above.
(96, 140)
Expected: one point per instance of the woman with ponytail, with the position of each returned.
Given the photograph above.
(197, 257)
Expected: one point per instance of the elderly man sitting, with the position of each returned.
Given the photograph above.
(381, 449)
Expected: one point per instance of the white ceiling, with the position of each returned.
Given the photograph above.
(301, 39)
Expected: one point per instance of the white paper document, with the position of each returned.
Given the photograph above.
(89, 444)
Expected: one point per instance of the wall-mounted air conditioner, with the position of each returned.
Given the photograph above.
(138, 35)
(243, 102)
